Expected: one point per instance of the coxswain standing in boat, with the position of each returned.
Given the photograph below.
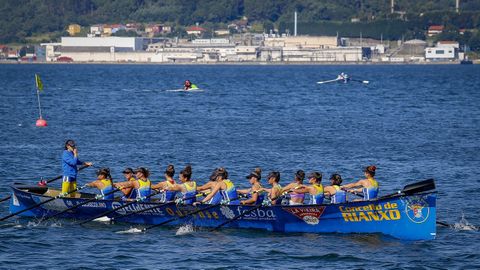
(295, 198)
(188, 188)
(167, 194)
(275, 192)
(315, 189)
(129, 193)
(142, 185)
(255, 194)
(104, 183)
(223, 186)
(336, 194)
(368, 187)
(70, 162)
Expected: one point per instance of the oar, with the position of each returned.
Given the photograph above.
(118, 208)
(183, 216)
(44, 202)
(361, 81)
(247, 212)
(155, 206)
(48, 181)
(82, 203)
(410, 189)
(328, 81)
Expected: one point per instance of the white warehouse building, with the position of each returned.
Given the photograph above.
(119, 43)
(441, 53)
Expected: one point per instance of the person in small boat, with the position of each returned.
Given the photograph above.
(275, 192)
(188, 85)
(255, 194)
(224, 186)
(70, 162)
(295, 198)
(142, 185)
(104, 183)
(168, 194)
(129, 193)
(315, 189)
(336, 194)
(343, 77)
(208, 187)
(188, 188)
(368, 187)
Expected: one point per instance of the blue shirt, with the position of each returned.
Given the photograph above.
(69, 164)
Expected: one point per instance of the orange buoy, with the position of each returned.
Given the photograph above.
(41, 122)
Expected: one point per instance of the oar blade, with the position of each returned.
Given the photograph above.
(418, 187)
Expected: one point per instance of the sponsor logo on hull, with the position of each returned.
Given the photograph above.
(311, 215)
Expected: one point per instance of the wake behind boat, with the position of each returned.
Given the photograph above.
(409, 214)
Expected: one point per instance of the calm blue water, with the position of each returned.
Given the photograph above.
(413, 122)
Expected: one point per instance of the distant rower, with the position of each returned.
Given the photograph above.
(189, 85)
(343, 77)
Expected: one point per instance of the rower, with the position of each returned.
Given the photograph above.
(142, 185)
(129, 193)
(255, 194)
(337, 195)
(368, 186)
(104, 183)
(188, 187)
(168, 194)
(217, 198)
(224, 186)
(276, 191)
(295, 198)
(315, 190)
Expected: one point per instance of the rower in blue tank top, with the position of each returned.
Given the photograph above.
(337, 195)
(223, 186)
(255, 194)
(168, 194)
(368, 187)
(142, 186)
(129, 193)
(315, 189)
(104, 183)
(188, 188)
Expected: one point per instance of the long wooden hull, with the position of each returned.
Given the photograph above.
(410, 217)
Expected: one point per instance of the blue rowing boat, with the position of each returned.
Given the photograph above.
(409, 214)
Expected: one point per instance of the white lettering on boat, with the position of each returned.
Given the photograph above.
(257, 214)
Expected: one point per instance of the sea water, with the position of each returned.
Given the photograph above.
(413, 122)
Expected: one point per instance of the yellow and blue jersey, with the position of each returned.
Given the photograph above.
(230, 193)
(371, 192)
(317, 198)
(107, 188)
(189, 196)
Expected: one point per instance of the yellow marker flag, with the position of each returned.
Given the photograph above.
(38, 82)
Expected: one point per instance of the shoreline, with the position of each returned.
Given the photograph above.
(240, 63)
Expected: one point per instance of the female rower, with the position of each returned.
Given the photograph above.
(104, 183)
(168, 194)
(224, 186)
(337, 195)
(142, 186)
(275, 192)
(296, 198)
(188, 187)
(315, 190)
(254, 194)
(129, 193)
(368, 186)
(217, 198)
